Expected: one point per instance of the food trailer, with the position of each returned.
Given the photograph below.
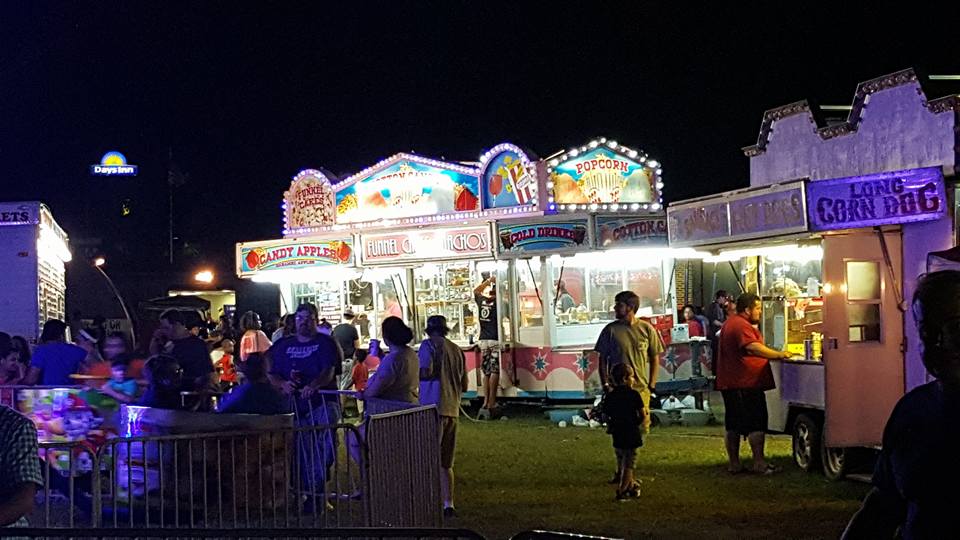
(833, 234)
(413, 237)
(34, 257)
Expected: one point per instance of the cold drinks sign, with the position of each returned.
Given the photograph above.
(876, 199)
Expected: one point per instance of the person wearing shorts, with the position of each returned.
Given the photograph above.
(443, 379)
(486, 297)
(743, 375)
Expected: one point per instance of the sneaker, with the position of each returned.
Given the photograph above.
(449, 512)
(484, 414)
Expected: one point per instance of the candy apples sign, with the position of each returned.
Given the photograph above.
(260, 257)
(308, 202)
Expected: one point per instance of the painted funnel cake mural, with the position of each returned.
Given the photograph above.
(407, 186)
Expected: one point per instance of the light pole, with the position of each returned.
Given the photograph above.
(98, 264)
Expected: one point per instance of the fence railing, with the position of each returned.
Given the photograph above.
(407, 476)
(252, 534)
(384, 472)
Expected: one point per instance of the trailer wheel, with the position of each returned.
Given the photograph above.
(806, 443)
(835, 462)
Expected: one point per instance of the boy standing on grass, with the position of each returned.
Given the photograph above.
(624, 408)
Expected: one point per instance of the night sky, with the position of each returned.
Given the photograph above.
(248, 93)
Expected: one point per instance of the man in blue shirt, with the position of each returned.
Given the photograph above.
(304, 365)
(54, 360)
(917, 474)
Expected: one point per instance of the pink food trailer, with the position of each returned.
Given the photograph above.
(833, 233)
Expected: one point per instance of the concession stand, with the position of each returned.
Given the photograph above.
(414, 237)
(834, 247)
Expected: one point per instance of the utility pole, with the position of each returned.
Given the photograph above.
(170, 187)
(175, 178)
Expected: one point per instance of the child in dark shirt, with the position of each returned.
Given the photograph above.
(623, 408)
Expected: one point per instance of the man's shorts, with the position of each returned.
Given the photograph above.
(746, 411)
(448, 440)
(490, 356)
(626, 458)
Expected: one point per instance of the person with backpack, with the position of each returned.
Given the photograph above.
(624, 411)
(443, 379)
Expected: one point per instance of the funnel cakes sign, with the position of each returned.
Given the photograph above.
(308, 202)
(604, 174)
(407, 186)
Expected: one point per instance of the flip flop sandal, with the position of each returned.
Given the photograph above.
(769, 470)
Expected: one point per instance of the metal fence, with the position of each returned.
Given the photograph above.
(332, 533)
(405, 478)
(305, 477)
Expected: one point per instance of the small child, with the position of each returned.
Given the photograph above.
(120, 387)
(623, 408)
(362, 369)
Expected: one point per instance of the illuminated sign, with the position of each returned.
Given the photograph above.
(405, 186)
(545, 236)
(308, 202)
(16, 213)
(285, 254)
(427, 245)
(631, 231)
(507, 178)
(601, 174)
(876, 199)
(113, 164)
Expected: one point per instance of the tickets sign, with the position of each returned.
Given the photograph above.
(266, 256)
(427, 245)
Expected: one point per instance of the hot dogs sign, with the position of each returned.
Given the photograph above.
(256, 257)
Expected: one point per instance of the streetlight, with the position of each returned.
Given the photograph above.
(204, 276)
(98, 264)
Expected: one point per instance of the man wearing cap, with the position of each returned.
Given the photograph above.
(443, 379)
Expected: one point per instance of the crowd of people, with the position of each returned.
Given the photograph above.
(299, 369)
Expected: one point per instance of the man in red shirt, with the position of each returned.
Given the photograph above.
(743, 375)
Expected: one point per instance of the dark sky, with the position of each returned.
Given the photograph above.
(248, 93)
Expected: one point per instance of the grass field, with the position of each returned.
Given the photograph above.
(527, 473)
